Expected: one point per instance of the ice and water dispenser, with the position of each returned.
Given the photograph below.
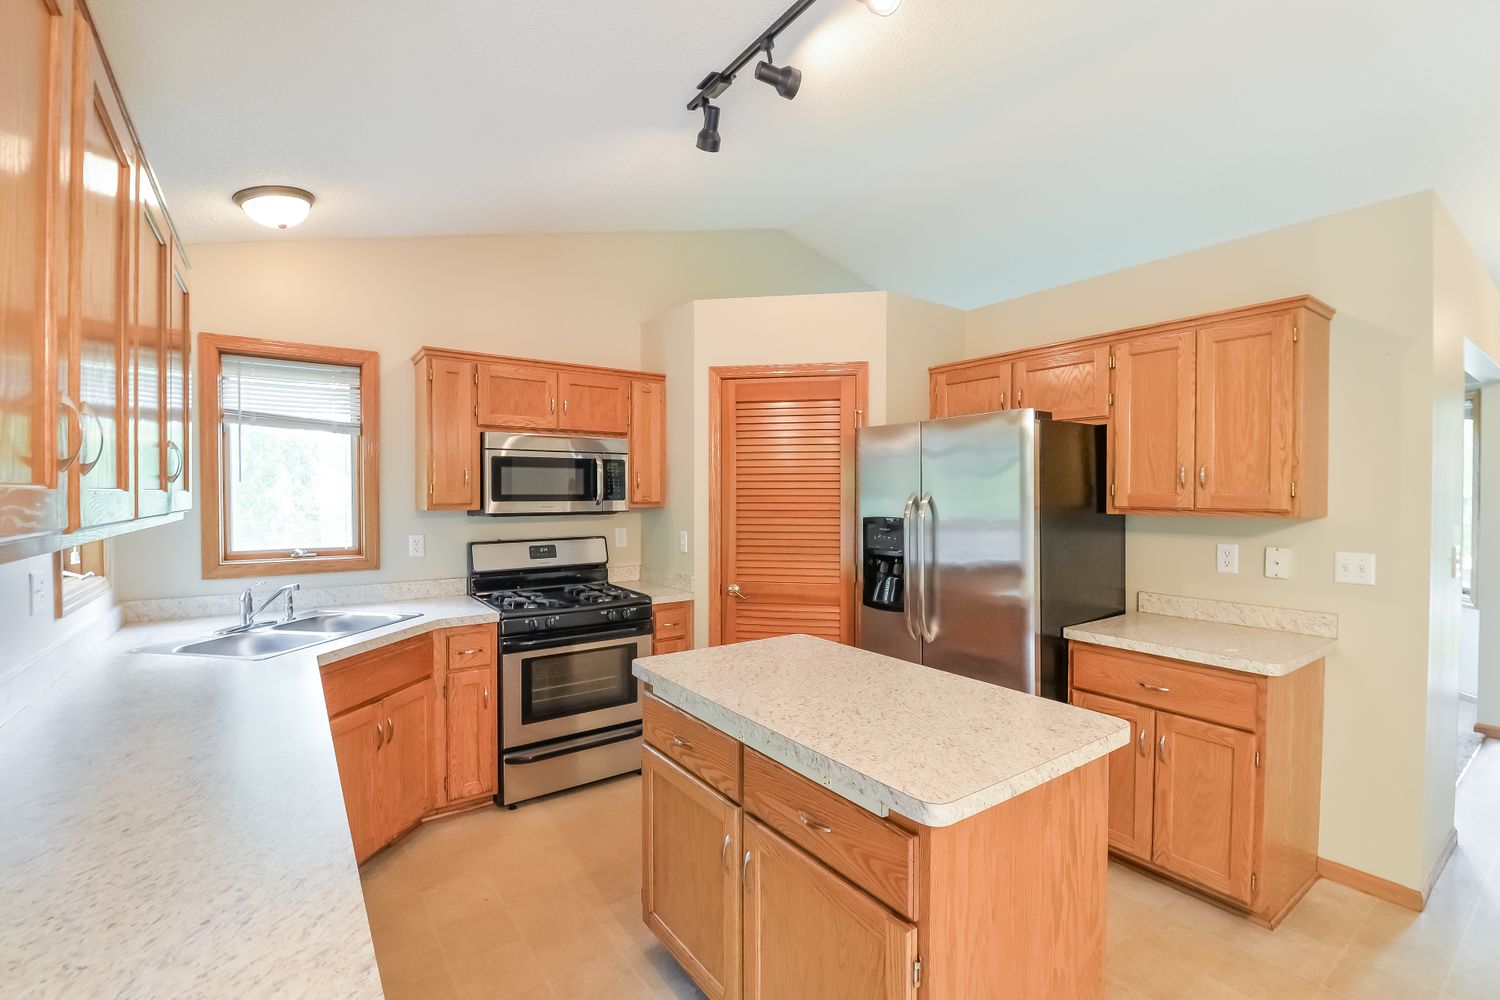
(885, 563)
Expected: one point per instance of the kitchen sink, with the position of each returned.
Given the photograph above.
(265, 641)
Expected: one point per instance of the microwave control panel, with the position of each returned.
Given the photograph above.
(614, 479)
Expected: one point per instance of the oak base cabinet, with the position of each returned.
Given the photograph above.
(672, 627)
(1219, 787)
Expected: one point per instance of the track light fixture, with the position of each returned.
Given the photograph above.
(708, 136)
(787, 80)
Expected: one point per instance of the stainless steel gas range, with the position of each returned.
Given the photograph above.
(570, 710)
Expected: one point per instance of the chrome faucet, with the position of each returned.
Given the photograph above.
(248, 610)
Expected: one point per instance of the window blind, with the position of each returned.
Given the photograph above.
(298, 395)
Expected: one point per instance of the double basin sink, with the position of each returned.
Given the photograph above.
(264, 641)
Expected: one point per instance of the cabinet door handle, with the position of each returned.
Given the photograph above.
(1161, 748)
(552, 405)
(390, 730)
(1156, 687)
(379, 736)
(745, 866)
(1002, 401)
(64, 464)
(724, 853)
(466, 477)
(678, 741)
(637, 478)
(486, 696)
(813, 824)
(1181, 476)
(1141, 741)
(1202, 475)
(565, 407)
(172, 449)
(1019, 394)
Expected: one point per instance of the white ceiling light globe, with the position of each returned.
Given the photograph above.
(275, 206)
(885, 8)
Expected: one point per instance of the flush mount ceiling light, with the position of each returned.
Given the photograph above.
(275, 206)
(785, 79)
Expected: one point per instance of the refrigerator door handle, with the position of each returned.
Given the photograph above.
(913, 561)
(927, 542)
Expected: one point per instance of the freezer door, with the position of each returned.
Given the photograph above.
(976, 522)
(890, 477)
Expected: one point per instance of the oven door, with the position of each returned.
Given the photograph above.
(560, 687)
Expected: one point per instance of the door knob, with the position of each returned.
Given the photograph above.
(734, 591)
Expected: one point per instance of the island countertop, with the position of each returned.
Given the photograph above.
(174, 826)
(892, 736)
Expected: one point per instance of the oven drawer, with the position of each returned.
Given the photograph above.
(1200, 692)
(696, 746)
(470, 647)
(875, 855)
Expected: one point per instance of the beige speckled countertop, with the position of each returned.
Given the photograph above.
(892, 736)
(1270, 652)
(658, 593)
(174, 826)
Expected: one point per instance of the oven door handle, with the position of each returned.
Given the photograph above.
(604, 740)
(549, 642)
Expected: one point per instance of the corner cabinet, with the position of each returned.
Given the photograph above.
(462, 395)
(1219, 787)
(85, 296)
(1224, 414)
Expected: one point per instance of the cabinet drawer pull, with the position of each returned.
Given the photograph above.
(724, 853)
(678, 741)
(1156, 687)
(390, 730)
(468, 652)
(1161, 748)
(813, 824)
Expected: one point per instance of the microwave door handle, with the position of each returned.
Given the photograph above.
(599, 490)
(912, 557)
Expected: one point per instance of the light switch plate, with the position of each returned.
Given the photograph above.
(37, 582)
(1278, 562)
(1354, 567)
(1228, 559)
(416, 546)
(682, 542)
(621, 538)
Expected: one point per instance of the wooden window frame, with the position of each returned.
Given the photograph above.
(365, 555)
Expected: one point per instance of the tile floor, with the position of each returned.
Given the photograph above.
(543, 904)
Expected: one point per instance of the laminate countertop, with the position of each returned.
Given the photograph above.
(659, 593)
(1265, 651)
(891, 736)
(174, 826)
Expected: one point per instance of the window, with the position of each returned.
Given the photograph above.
(293, 451)
(1471, 493)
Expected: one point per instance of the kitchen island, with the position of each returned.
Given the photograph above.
(822, 821)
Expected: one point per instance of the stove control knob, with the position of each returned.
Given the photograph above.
(551, 620)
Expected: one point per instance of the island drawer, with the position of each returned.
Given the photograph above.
(875, 855)
(470, 647)
(696, 746)
(371, 676)
(1200, 692)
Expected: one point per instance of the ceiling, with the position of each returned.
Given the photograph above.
(960, 151)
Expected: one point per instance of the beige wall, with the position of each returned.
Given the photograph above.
(564, 298)
(1387, 802)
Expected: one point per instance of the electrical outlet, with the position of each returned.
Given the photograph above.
(621, 538)
(1229, 559)
(37, 582)
(1278, 562)
(1354, 567)
(416, 546)
(682, 541)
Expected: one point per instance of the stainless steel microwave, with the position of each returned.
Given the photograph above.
(551, 474)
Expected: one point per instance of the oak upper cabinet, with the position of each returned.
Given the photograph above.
(34, 54)
(473, 736)
(148, 349)
(1205, 803)
(1070, 383)
(596, 403)
(977, 388)
(1152, 429)
(690, 892)
(1131, 775)
(177, 368)
(101, 197)
(517, 396)
(447, 436)
(808, 933)
(1246, 415)
(648, 443)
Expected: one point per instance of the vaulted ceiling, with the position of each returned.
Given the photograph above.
(961, 150)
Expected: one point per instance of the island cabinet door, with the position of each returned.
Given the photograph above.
(1131, 774)
(1205, 803)
(690, 890)
(808, 933)
(357, 740)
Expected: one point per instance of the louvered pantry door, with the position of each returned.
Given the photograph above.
(787, 492)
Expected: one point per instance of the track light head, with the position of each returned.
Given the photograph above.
(786, 79)
(708, 137)
(885, 8)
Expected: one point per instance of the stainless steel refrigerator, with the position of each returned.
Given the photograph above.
(982, 538)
